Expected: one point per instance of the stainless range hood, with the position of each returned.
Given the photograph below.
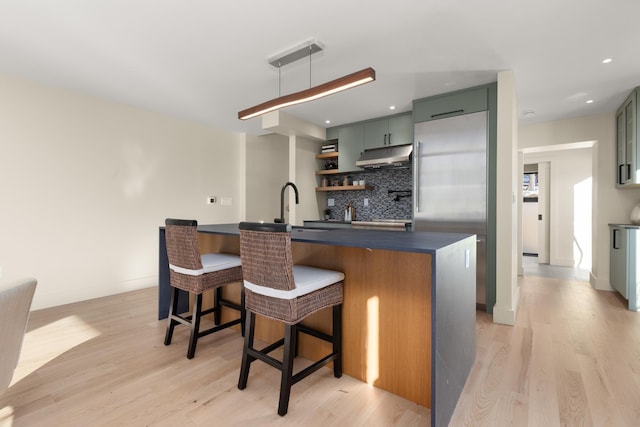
(396, 156)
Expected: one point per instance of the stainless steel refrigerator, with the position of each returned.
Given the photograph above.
(450, 181)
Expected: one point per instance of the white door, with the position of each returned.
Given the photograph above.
(543, 212)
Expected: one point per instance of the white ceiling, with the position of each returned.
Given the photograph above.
(205, 60)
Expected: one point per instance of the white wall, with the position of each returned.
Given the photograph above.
(570, 191)
(85, 184)
(610, 205)
(272, 161)
(507, 291)
(267, 172)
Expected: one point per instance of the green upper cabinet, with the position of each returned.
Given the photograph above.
(354, 138)
(451, 104)
(627, 152)
(394, 130)
(621, 160)
(375, 133)
(332, 133)
(350, 147)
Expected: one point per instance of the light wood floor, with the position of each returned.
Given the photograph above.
(573, 358)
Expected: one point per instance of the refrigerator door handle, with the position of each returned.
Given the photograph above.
(416, 177)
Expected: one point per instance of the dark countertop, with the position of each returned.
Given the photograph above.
(627, 226)
(327, 221)
(412, 241)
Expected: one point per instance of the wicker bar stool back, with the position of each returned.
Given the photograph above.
(195, 273)
(276, 288)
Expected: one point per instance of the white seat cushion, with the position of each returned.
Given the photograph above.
(308, 279)
(210, 263)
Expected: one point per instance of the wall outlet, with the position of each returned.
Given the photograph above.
(366, 202)
(211, 200)
(331, 202)
(226, 201)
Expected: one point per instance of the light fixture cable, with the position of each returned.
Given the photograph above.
(310, 52)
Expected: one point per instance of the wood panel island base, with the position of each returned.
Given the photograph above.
(409, 306)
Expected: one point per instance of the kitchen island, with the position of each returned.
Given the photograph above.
(409, 306)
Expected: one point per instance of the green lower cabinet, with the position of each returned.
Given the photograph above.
(623, 263)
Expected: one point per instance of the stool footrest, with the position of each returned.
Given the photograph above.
(218, 328)
(314, 333)
(313, 367)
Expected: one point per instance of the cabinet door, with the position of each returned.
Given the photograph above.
(376, 133)
(396, 130)
(332, 133)
(627, 153)
(630, 138)
(618, 268)
(350, 147)
(621, 159)
(449, 105)
(400, 130)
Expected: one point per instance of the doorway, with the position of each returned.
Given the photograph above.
(557, 208)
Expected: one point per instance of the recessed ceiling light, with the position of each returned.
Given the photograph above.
(529, 114)
(393, 107)
(327, 121)
(607, 60)
(589, 101)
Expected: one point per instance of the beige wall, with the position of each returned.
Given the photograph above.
(268, 160)
(267, 172)
(610, 205)
(85, 184)
(507, 291)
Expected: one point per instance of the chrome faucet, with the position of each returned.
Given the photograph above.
(295, 189)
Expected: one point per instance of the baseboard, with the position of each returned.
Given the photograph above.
(507, 315)
(562, 262)
(600, 284)
(60, 296)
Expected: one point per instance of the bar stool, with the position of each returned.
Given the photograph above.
(189, 271)
(277, 289)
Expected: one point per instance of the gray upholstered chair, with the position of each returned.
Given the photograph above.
(15, 303)
(195, 273)
(277, 289)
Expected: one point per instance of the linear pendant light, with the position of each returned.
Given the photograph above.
(294, 54)
(346, 82)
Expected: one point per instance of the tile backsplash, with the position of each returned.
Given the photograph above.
(391, 197)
